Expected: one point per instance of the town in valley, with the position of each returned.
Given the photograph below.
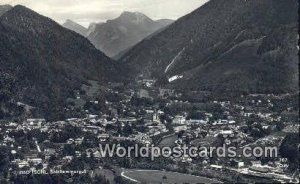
(144, 114)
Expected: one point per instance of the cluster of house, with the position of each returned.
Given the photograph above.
(145, 124)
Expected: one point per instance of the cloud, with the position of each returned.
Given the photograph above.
(87, 11)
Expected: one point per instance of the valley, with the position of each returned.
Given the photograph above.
(176, 92)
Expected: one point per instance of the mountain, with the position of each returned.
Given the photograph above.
(164, 22)
(225, 45)
(4, 8)
(42, 63)
(119, 34)
(92, 28)
(69, 24)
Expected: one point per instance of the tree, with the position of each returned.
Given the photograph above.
(100, 179)
(69, 150)
(279, 126)
(127, 130)
(120, 180)
(289, 149)
(4, 159)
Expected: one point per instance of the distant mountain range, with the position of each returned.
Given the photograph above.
(122, 33)
(42, 63)
(69, 24)
(231, 46)
(225, 45)
(92, 28)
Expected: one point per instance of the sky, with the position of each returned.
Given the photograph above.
(85, 12)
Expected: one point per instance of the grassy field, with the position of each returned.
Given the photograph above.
(203, 141)
(92, 90)
(107, 173)
(157, 177)
(168, 141)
